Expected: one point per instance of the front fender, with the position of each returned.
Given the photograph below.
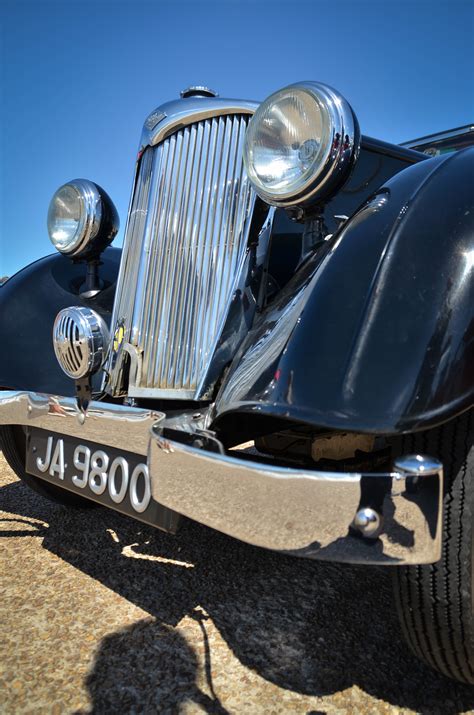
(375, 333)
(29, 303)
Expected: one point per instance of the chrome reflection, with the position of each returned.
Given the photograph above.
(303, 512)
(112, 425)
(80, 340)
(185, 251)
(468, 264)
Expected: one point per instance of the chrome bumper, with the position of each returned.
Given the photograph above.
(297, 511)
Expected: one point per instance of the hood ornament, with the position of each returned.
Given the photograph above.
(198, 91)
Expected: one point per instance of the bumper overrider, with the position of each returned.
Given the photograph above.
(388, 518)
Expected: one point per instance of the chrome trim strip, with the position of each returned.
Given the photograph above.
(113, 425)
(179, 113)
(303, 512)
(439, 136)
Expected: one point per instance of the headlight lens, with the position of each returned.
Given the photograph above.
(82, 219)
(66, 218)
(298, 140)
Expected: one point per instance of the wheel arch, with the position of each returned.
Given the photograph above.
(376, 332)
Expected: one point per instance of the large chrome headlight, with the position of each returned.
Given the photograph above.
(82, 219)
(301, 144)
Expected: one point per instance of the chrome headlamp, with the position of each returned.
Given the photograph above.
(301, 144)
(82, 219)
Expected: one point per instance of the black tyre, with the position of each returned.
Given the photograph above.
(435, 602)
(13, 444)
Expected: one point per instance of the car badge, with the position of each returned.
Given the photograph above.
(154, 119)
(118, 337)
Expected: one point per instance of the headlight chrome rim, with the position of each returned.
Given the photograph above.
(92, 208)
(339, 155)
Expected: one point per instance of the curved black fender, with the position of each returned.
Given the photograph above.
(29, 303)
(375, 333)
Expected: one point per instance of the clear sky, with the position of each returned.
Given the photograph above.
(79, 78)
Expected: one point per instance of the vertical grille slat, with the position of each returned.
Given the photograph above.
(149, 320)
(176, 376)
(209, 247)
(230, 247)
(179, 249)
(149, 248)
(130, 264)
(190, 290)
(182, 253)
(185, 243)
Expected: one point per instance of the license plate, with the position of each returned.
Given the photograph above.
(112, 477)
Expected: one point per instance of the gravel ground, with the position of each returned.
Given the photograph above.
(100, 614)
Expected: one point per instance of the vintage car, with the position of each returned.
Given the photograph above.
(283, 350)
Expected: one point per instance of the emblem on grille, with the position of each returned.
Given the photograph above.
(154, 119)
(118, 337)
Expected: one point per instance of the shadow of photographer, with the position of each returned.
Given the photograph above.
(309, 627)
(162, 677)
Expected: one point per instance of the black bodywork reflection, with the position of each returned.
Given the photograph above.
(375, 334)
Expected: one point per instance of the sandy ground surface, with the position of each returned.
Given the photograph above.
(100, 614)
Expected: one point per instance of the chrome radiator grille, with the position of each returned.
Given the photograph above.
(184, 246)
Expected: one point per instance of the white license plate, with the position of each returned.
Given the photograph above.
(115, 478)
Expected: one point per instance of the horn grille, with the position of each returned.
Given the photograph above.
(80, 338)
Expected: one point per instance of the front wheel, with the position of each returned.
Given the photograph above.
(435, 602)
(13, 444)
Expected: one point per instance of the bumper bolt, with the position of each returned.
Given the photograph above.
(418, 465)
(368, 522)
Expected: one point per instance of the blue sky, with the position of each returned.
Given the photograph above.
(79, 78)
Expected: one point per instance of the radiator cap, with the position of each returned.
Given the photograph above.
(198, 91)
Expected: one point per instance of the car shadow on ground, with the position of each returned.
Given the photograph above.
(309, 627)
